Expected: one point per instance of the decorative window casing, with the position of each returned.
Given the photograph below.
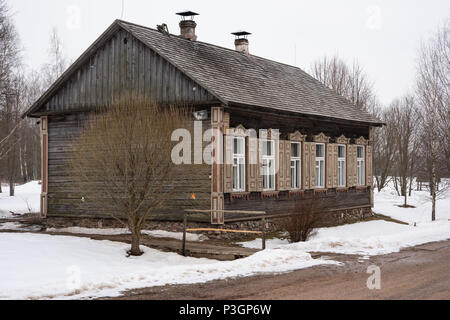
(296, 176)
(361, 167)
(268, 164)
(238, 164)
(342, 166)
(320, 165)
(301, 158)
(318, 173)
(234, 166)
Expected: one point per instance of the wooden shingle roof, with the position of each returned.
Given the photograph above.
(233, 77)
(250, 80)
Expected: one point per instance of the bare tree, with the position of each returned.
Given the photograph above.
(384, 149)
(351, 82)
(123, 156)
(405, 119)
(303, 221)
(57, 61)
(433, 98)
(10, 81)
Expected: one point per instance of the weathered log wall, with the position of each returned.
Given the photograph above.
(65, 199)
(125, 64)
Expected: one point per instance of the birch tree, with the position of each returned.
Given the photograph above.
(404, 125)
(10, 62)
(384, 149)
(57, 61)
(433, 97)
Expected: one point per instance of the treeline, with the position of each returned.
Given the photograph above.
(20, 156)
(415, 143)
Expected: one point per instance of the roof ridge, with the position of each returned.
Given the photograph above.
(208, 44)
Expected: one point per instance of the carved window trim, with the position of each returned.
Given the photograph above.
(320, 169)
(362, 141)
(321, 138)
(341, 167)
(342, 140)
(269, 134)
(361, 166)
(296, 166)
(239, 159)
(297, 137)
(239, 131)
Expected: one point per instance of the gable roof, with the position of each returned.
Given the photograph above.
(236, 78)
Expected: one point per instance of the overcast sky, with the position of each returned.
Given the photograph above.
(382, 35)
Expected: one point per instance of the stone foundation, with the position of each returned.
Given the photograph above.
(346, 216)
(329, 219)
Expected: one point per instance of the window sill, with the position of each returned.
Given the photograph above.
(320, 190)
(296, 192)
(269, 194)
(239, 195)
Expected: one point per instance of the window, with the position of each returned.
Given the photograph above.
(361, 166)
(295, 166)
(238, 164)
(320, 165)
(342, 169)
(268, 163)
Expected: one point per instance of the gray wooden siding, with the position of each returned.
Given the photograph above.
(65, 200)
(286, 204)
(125, 64)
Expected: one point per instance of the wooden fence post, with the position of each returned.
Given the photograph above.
(183, 249)
(263, 227)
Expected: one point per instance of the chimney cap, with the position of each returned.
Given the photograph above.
(241, 34)
(188, 13)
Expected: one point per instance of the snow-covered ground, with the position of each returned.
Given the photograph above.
(36, 266)
(365, 238)
(387, 203)
(26, 199)
(118, 231)
(380, 237)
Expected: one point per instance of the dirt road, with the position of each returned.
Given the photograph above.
(421, 272)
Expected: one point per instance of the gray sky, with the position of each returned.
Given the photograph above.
(382, 35)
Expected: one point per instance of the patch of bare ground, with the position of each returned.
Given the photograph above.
(415, 273)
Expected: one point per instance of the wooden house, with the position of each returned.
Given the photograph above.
(322, 147)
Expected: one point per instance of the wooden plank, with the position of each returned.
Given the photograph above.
(223, 230)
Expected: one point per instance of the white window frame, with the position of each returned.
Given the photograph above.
(361, 166)
(238, 159)
(320, 170)
(296, 168)
(270, 169)
(342, 167)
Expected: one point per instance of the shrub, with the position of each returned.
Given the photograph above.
(302, 222)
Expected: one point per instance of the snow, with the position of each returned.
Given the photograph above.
(380, 237)
(26, 199)
(119, 231)
(37, 266)
(15, 226)
(387, 203)
(365, 238)
(175, 235)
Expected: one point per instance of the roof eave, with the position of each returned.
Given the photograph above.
(302, 114)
